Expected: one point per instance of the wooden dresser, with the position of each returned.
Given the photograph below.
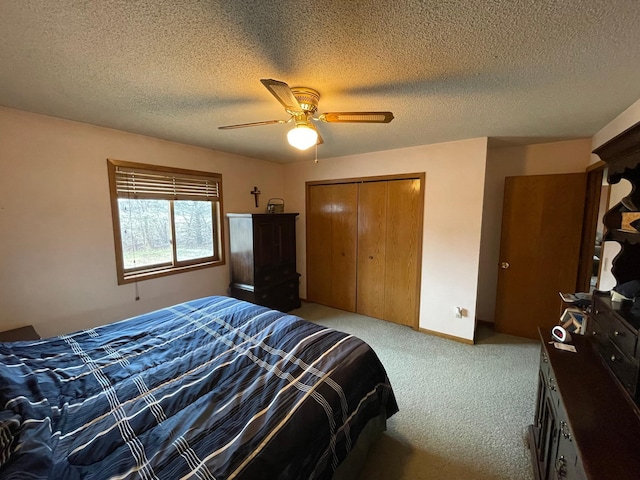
(263, 259)
(587, 423)
(586, 426)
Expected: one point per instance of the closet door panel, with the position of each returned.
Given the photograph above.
(372, 231)
(364, 247)
(404, 220)
(319, 248)
(344, 247)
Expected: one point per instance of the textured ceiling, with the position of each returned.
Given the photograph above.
(178, 69)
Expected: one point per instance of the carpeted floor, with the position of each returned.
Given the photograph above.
(464, 409)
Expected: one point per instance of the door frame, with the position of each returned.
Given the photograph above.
(415, 324)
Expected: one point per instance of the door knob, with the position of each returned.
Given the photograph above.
(504, 265)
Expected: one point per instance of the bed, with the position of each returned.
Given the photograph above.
(214, 388)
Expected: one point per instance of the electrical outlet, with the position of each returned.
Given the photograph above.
(459, 312)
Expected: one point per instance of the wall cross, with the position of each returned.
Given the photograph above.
(255, 192)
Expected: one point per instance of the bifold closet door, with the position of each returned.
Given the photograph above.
(403, 251)
(389, 226)
(332, 245)
(372, 233)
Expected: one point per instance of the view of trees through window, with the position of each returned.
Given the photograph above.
(146, 231)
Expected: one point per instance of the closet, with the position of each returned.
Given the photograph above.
(364, 241)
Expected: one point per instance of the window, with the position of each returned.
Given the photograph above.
(165, 220)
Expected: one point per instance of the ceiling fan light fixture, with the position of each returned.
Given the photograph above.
(302, 136)
(301, 103)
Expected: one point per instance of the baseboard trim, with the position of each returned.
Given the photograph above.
(447, 336)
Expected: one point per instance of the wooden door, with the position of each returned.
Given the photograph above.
(372, 235)
(539, 250)
(319, 244)
(403, 247)
(332, 245)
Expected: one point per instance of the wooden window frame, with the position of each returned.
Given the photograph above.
(183, 189)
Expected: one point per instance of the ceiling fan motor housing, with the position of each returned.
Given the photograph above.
(307, 98)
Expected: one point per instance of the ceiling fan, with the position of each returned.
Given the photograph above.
(301, 103)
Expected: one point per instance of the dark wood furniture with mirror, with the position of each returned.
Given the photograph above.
(614, 326)
(587, 423)
(263, 259)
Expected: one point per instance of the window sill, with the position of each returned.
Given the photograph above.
(139, 276)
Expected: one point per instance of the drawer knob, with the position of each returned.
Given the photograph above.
(564, 428)
(552, 384)
(618, 334)
(594, 333)
(613, 358)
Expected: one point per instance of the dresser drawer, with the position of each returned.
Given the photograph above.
(624, 368)
(625, 340)
(282, 296)
(615, 329)
(597, 332)
(272, 275)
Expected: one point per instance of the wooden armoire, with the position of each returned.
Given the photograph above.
(263, 259)
(364, 245)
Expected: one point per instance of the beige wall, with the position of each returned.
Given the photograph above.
(452, 220)
(57, 266)
(541, 159)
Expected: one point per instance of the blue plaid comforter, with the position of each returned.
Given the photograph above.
(214, 388)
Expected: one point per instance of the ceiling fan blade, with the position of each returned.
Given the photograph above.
(356, 117)
(283, 93)
(254, 124)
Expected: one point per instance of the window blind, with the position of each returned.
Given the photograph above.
(147, 184)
